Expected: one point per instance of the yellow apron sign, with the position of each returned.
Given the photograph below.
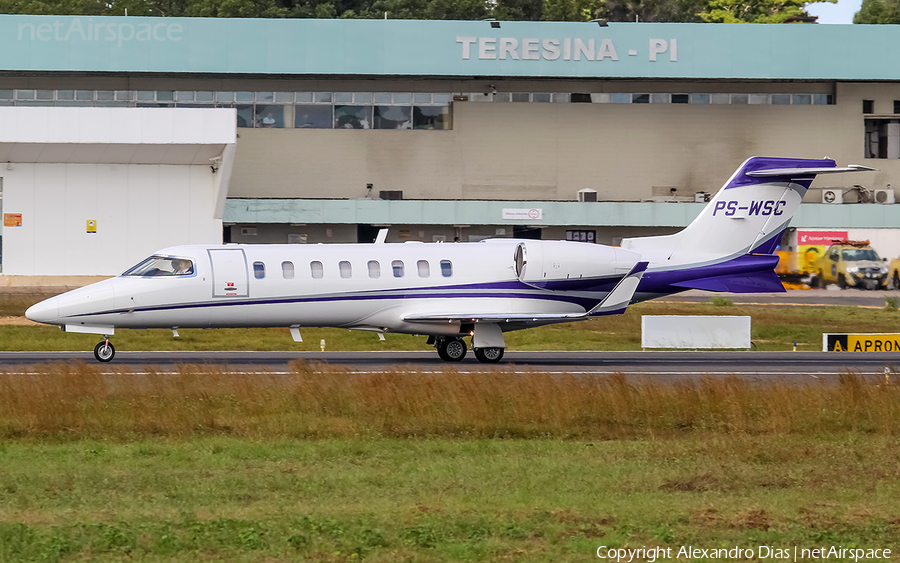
(861, 342)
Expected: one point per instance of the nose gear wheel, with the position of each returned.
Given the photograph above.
(104, 351)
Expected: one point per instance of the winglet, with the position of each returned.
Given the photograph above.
(382, 235)
(619, 298)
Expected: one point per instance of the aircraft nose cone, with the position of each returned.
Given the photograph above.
(47, 311)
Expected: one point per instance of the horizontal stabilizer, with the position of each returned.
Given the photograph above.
(756, 282)
(772, 172)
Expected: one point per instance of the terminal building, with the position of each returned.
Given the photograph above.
(122, 135)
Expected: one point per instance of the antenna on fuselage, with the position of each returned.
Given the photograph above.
(382, 235)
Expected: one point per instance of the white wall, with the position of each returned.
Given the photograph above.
(124, 126)
(138, 208)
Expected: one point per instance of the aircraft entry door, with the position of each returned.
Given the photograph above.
(229, 273)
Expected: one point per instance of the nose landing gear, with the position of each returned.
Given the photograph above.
(104, 351)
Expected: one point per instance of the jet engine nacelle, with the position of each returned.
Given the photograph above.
(539, 262)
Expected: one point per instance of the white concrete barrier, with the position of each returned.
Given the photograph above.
(695, 331)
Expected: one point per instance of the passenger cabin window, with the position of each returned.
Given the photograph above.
(316, 269)
(397, 266)
(259, 270)
(424, 269)
(374, 269)
(344, 266)
(287, 270)
(446, 268)
(162, 266)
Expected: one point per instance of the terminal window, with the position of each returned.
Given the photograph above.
(376, 110)
(882, 138)
(581, 236)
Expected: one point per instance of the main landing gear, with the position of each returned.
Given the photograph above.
(453, 349)
(104, 351)
(450, 349)
(489, 355)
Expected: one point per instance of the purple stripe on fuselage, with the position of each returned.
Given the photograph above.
(584, 302)
(594, 284)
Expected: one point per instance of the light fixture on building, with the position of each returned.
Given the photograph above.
(601, 22)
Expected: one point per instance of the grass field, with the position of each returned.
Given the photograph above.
(321, 465)
(77, 401)
(388, 500)
(773, 328)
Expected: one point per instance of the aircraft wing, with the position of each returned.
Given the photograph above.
(494, 318)
(614, 303)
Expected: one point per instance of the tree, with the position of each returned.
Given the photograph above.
(652, 10)
(878, 11)
(751, 11)
(456, 10)
(758, 11)
(569, 10)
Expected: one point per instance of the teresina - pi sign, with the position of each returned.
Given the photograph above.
(567, 49)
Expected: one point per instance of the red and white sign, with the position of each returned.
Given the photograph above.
(819, 238)
(533, 214)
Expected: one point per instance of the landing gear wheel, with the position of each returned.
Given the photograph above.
(489, 355)
(896, 281)
(104, 351)
(452, 349)
(842, 281)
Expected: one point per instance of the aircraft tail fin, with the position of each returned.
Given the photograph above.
(746, 216)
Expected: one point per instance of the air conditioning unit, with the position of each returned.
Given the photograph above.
(587, 195)
(701, 197)
(884, 197)
(832, 196)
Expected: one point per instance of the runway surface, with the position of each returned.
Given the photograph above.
(677, 365)
(796, 366)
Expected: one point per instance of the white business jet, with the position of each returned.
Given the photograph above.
(449, 291)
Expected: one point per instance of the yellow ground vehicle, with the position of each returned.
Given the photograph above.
(850, 263)
(894, 274)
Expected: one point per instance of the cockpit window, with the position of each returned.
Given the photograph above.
(162, 266)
